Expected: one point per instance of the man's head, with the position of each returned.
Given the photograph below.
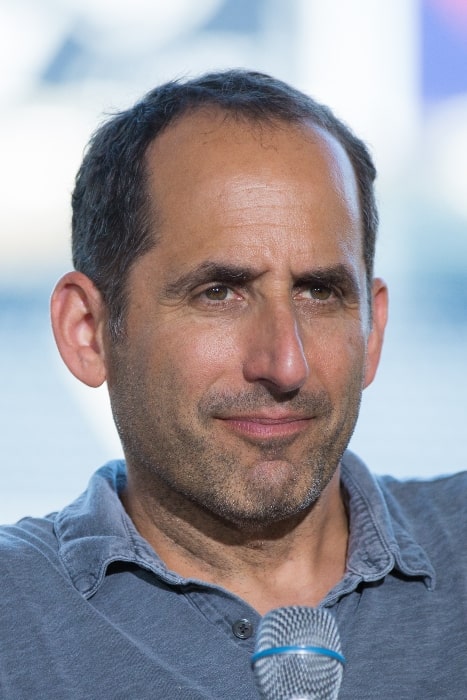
(247, 340)
(114, 219)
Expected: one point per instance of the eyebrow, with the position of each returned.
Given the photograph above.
(333, 276)
(209, 271)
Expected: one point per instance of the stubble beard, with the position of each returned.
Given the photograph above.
(191, 467)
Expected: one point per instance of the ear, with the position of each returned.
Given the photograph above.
(379, 307)
(78, 322)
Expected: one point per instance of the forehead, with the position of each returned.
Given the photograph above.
(232, 178)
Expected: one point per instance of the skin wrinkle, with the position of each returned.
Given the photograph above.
(190, 371)
(208, 271)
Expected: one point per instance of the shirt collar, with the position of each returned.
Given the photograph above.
(380, 540)
(95, 531)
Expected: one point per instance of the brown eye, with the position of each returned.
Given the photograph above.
(320, 293)
(217, 293)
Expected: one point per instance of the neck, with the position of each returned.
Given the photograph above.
(292, 562)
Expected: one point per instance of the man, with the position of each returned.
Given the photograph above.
(223, 243)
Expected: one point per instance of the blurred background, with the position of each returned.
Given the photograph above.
(395, 71)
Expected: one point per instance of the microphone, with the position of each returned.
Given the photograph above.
(298, 655)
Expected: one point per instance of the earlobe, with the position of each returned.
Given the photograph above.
(376, 336)
(78, 322)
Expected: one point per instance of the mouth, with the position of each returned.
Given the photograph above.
(267, 427)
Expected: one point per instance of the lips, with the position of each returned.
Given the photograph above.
(267, 427)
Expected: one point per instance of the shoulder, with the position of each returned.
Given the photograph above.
(433, 511)
(30, 537)
(29, 563)
(43, 537)
(445, 494)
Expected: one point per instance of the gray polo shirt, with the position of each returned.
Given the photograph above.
(88, 610)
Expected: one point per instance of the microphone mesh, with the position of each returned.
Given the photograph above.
(298, 676)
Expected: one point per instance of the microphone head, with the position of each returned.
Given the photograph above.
(298, 655)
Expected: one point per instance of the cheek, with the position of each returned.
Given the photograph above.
(195, 356)
(336, 356)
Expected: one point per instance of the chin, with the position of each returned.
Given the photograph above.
(265, 506)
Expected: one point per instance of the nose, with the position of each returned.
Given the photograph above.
(275, 355)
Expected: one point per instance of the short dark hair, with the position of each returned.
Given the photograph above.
(111, 225)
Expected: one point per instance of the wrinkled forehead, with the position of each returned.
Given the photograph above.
(211, 151)
(224, 189)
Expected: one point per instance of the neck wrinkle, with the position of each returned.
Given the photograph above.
(196, 544)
